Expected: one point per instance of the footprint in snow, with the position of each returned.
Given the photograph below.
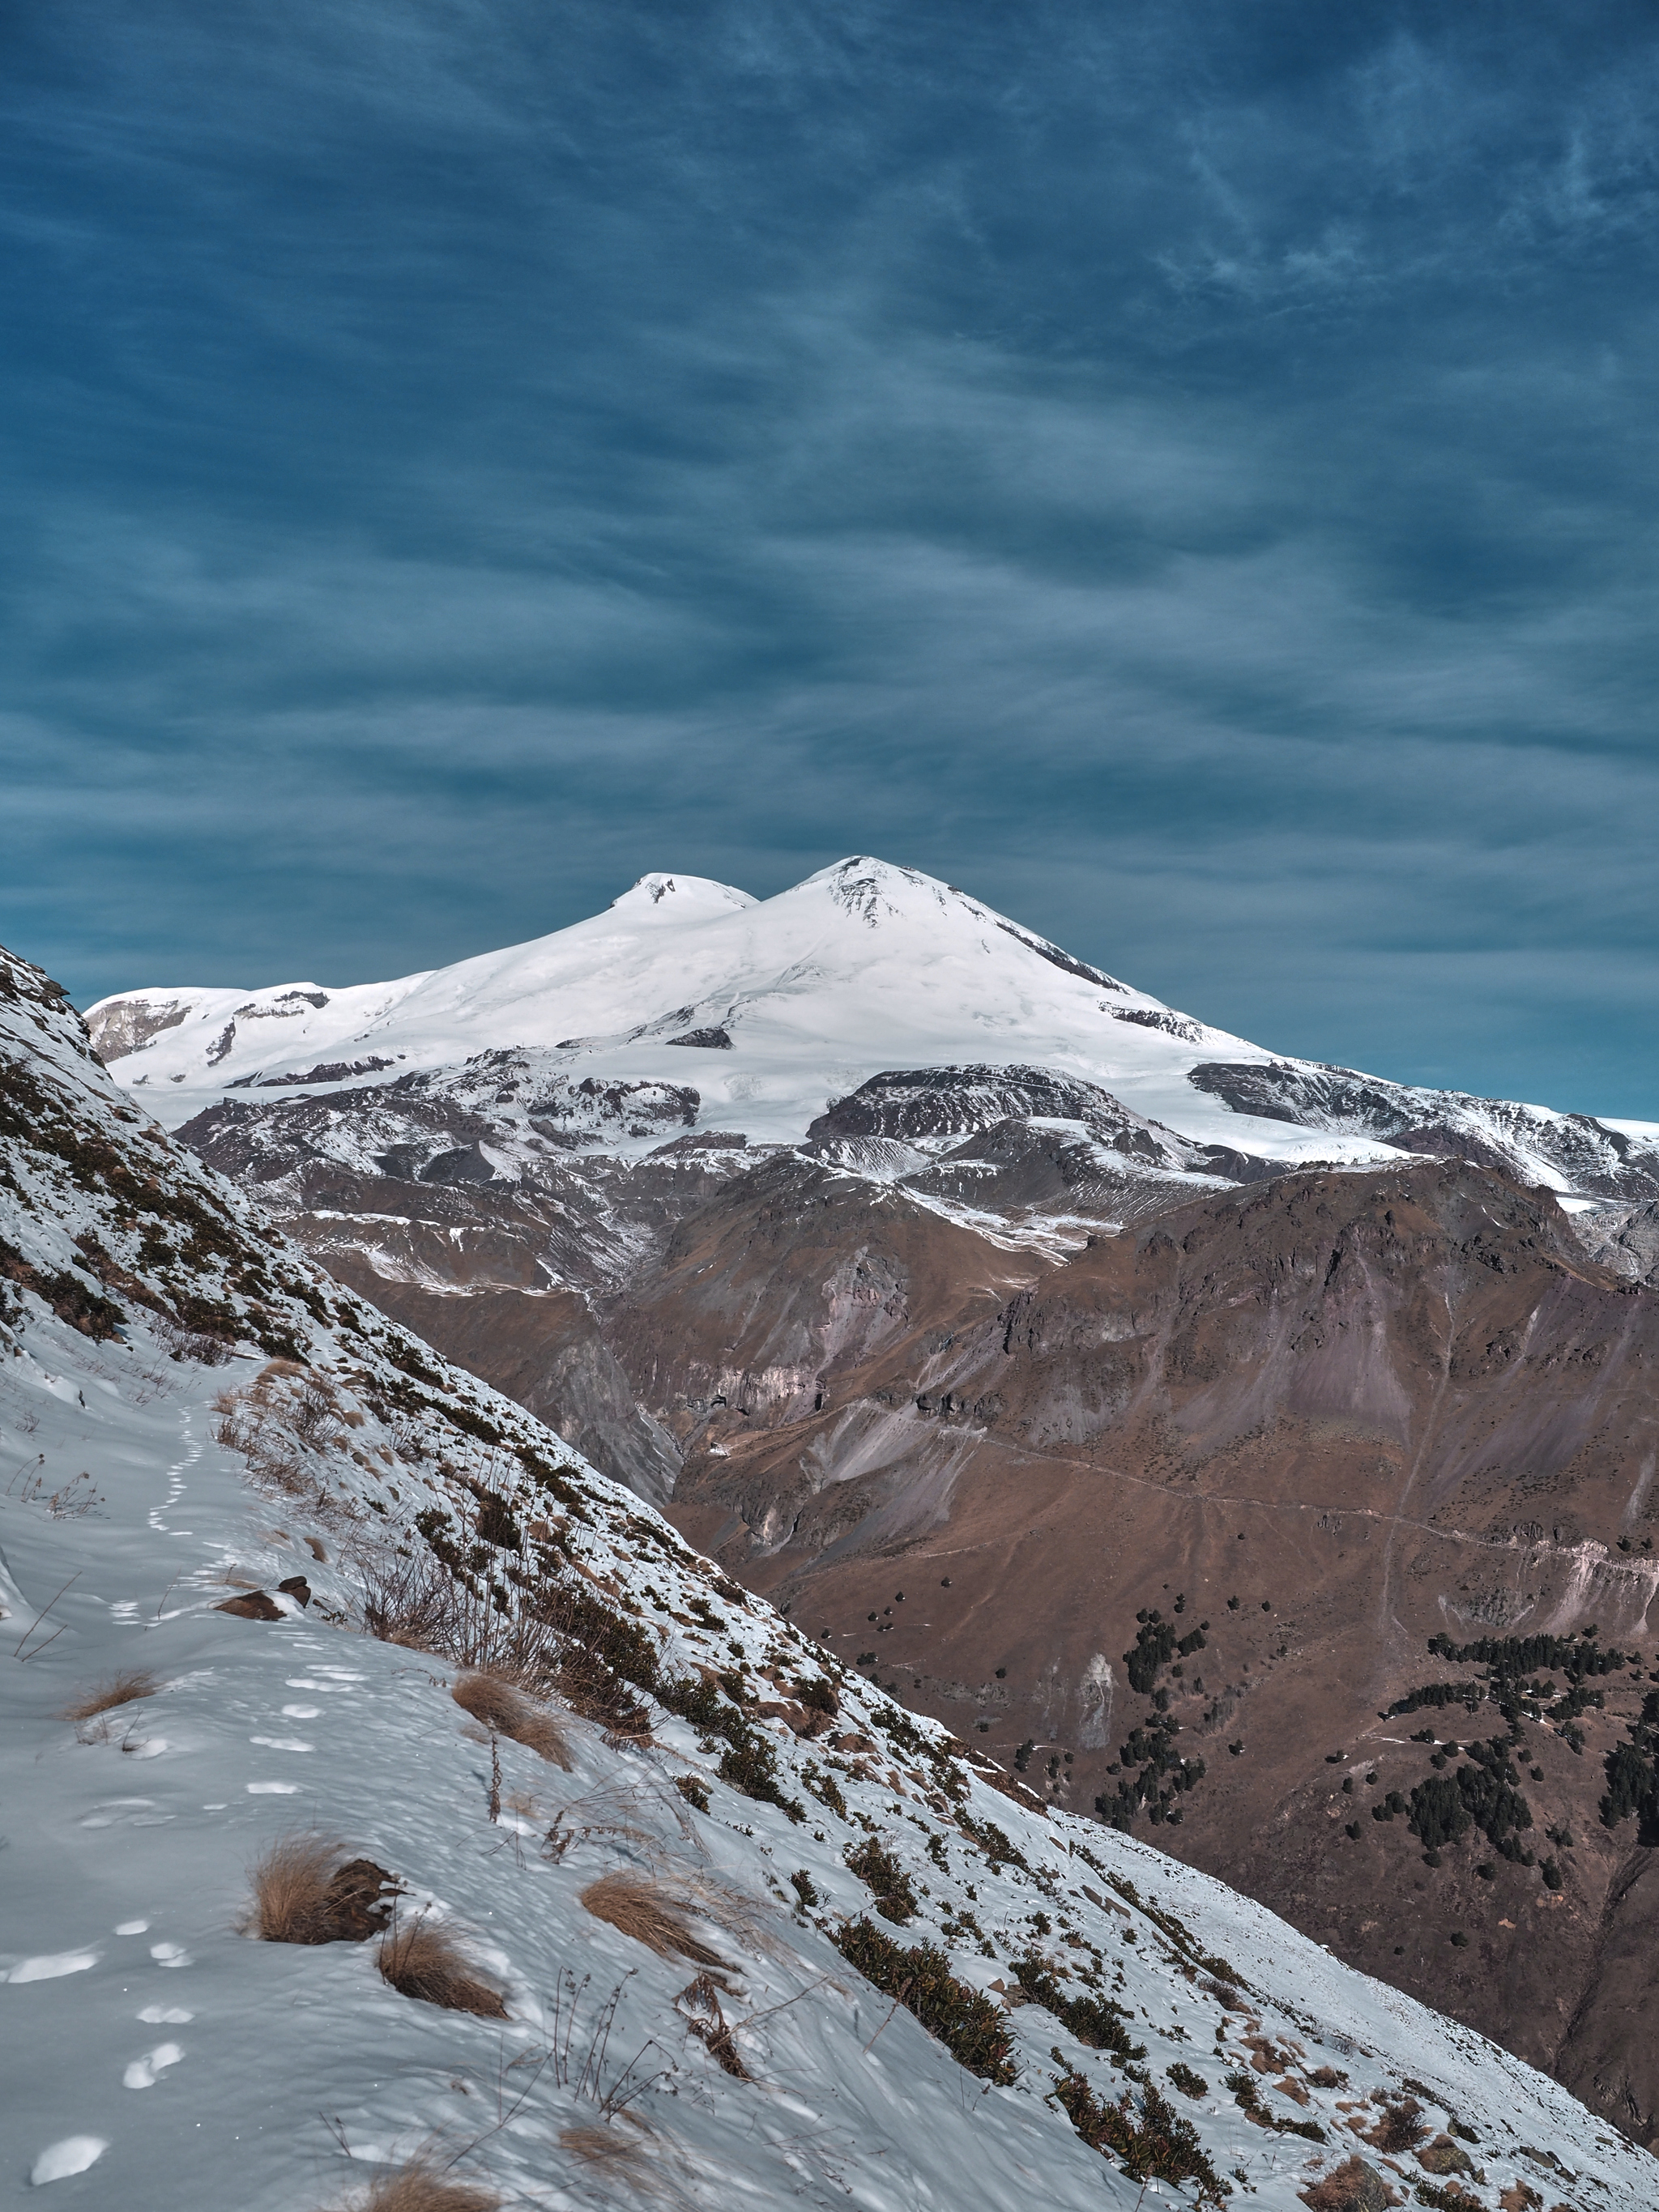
(165, 2015)
(112, 1809)
(272, 1788)
(132, 1927)
(169, 1954)
(74, 2154)
(301, 1713)
(142, 2073)
(282, 1743)
(48, 1969)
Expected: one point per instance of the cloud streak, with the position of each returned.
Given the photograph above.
(1184, 474)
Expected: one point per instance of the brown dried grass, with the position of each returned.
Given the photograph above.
(603, 2148)
(289, 1885)
(302, 1894)
(424, 1961)
(700, 2002)
(124, 1687)
(421, 2186)
(502, 1705)
(638, 1907)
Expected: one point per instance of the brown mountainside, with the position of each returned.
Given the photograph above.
(1315, 1420)
(1322, 1421)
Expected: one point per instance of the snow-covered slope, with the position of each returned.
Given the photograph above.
(769, 1010)
(786, 1817)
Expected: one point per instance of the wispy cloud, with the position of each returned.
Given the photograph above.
(1185, 472)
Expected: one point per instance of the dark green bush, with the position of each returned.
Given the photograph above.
(895, 1901)
(749, 1764)
(973, 2029)
(804, 1887)
(825, 1789)
(1246, 2088)
(1155, 1643)
(1094, 2020)
(1154, 2143)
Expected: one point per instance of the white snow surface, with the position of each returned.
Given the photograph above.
(157, 2053)
(865, 966)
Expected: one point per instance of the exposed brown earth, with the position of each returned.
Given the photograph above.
(1369, 1409)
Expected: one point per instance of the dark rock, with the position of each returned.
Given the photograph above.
(710, 1040)
(357, 1903)
(252, 1605)
(466, 1164)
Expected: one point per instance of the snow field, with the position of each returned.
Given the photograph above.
(213, 2067)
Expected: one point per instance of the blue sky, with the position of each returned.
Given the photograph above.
(1186, 473)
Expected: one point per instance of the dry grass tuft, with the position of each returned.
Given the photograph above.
(502, 1705)
(302, 1894)
(606, 2148)
(124, 1687)
(289, 1884)
(420, 2186)
(640, 2168)
(700, 2003)
(642, 1909)
(424, 1961)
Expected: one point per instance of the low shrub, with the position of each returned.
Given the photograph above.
(694, 1790)
(1096, 2021)
(1354, 2186)
(1246, 2088)
(1400, 2128)
(1189, 2083)
(750, 1765)
(895, 1900)
(824, 1787)
(971, 2028)
(1153, 2144)
(817, 1694)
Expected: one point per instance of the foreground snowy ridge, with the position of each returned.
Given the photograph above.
(161, 2054)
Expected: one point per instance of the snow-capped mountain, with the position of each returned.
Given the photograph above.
(707, 1918)
(768, 1010)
